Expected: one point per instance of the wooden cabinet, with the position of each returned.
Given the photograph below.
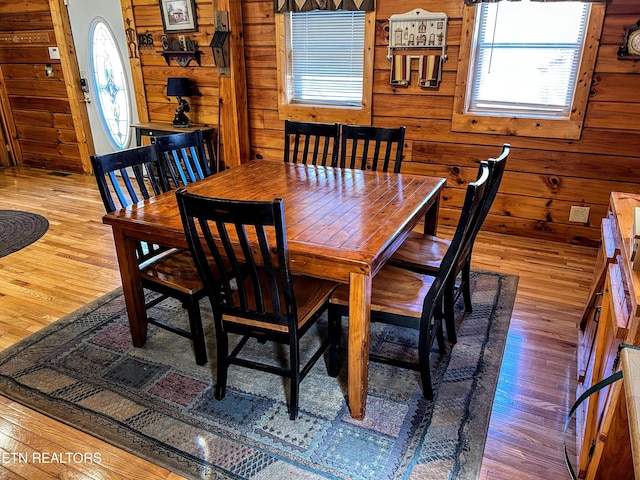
(611, 317)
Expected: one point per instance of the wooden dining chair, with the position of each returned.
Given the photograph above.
(413, 300)
(424, 253)
(127, 177)
(372, 148)
(183, 157)
(314, 143)
(257, 296)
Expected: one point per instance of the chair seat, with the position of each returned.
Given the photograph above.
(420, 251)
(394, 290)
(310, 293)
(173, 269)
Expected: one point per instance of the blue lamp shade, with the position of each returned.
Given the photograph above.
(178, 87)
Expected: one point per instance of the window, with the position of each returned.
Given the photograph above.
(522, 79)
(110, 81)
(325, 60)
(527, 71)
(326, 69)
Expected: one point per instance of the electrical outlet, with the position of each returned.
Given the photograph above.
(579, 214)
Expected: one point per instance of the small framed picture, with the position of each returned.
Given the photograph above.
(179, 15)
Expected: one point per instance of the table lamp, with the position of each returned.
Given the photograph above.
(180, 87)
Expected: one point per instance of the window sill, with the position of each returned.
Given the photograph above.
(323, 113)
(522, 127)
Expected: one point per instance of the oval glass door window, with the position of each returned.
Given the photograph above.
(111, 88)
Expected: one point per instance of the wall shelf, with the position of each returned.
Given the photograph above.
(183, 57)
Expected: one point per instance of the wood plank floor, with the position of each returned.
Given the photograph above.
(75, 263)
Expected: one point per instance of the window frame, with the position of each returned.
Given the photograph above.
(325, 113)
(563, 128)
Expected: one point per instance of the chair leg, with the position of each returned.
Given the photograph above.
(197, 333)
(294, 366)
(466, 285)
(335, 335)
(424, 354)
(442, 348)
(449, 310)
(438, 322)
(222, 343)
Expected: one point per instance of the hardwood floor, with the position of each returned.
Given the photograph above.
(75, 263)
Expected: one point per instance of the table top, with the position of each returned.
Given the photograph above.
(338, 220)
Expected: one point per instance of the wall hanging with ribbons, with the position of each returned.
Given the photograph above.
(417, 35)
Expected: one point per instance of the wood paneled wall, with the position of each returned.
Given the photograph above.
(544, 177)
(37, 110)
(155, 71)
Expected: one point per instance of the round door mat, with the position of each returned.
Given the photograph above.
(19, 229)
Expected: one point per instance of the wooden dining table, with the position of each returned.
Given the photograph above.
(342, 225)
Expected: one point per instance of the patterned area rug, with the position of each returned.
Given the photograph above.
(158, 404)
(20, 229)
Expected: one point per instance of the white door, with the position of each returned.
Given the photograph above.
(101, 47)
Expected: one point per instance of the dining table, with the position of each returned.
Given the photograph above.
(342, 225)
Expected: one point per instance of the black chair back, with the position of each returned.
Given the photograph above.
(183, 156)
(128, 176)
(496, 172)
(372, 148)
(433, 302)
(246, 279)
(311, 142)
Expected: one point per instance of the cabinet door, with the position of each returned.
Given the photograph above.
(608, 252)
(608, 338)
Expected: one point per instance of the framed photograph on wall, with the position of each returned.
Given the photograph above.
(179, 15)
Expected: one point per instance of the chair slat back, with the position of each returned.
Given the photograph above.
(311, 142)
(232, 243)
(474, 198)
(126, 177)
(372, 148)
(496, 172)
(183, 156)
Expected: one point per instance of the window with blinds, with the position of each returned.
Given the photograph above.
(326, 57)
(526, 57)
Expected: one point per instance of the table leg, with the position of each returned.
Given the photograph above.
(210, 140)
(358, 356)
(431, 217)
(131, 286)
(138, 137)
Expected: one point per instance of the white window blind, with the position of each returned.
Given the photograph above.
(526, 57)
(327, 56)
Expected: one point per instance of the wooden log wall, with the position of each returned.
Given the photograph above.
(217, 101)
(38, 111)
(155, 71)
(544, 177)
